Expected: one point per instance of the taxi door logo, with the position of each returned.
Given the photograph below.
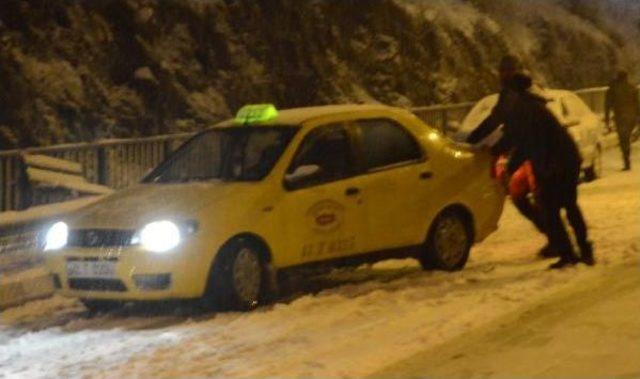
(326, 215)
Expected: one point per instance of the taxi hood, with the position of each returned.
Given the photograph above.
(133, 207)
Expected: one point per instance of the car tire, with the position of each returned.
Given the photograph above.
(237, 281)
(594, 171)
(448, 243)
(101, 306)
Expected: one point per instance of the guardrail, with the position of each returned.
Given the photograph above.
(119, 163)
(115, 163)
(442, 116)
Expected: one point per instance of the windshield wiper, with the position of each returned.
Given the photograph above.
(161, 180)
(200, 179)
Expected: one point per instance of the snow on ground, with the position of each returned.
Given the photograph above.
(590, 331)
(24, 275)
(350, 323)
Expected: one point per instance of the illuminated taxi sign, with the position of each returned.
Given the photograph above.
(253, 113)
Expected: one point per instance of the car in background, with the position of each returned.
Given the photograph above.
(275, 190)
(583, 124)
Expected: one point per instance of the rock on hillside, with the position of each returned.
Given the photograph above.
(80, 70)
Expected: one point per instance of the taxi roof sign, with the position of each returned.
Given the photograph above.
(253, 113)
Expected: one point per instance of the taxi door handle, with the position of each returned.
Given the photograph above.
(426, 175)
(352, 191)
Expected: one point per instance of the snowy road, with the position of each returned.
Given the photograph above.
(587, 331)
(349, 324)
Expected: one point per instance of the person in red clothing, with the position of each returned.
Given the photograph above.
(522, 188)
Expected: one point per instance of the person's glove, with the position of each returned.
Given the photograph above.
(501, 171)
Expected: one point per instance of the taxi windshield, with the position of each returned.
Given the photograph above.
(228, 154)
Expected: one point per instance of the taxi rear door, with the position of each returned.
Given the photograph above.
(397, 183)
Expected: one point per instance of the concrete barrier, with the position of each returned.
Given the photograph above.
(23, 286)
(22, 275)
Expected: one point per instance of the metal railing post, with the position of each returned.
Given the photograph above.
(444, 119)
(3, 185)
(102, 165)
(166, 149)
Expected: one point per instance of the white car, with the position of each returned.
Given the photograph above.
(585, 127)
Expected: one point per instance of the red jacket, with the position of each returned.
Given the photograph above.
(521, 182)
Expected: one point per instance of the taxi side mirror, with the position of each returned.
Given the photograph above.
(301, 175)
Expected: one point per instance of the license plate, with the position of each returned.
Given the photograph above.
(91, 269)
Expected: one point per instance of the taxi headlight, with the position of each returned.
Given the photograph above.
(159, 236)
(56, 237)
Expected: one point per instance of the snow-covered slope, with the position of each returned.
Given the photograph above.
(74, 71)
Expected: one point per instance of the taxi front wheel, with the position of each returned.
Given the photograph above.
(448, 243)
(237, 279)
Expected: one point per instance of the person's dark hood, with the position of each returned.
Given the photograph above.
(519, 82)
(523, 85)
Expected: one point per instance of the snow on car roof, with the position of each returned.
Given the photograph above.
(297, 116)
(483, 107)
(556, 93)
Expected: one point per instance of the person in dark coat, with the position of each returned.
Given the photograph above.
(508, 69)
(622, 98)
(531, 132)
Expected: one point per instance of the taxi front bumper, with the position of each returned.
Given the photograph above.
(133, 273)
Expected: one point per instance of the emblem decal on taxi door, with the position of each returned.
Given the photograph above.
(326, 215)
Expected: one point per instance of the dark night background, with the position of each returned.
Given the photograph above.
(81, 70)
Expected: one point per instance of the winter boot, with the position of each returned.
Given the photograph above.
(586, 253)
(548, 252)
(565, 260)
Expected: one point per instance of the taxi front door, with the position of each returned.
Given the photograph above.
(323, 210)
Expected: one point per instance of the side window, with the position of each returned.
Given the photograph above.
(578, 107)
(324, 156)
(385, 143)
(565, 107)
(555, 106)
(575, 107)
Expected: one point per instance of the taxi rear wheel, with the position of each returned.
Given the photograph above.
(448, 243)
(237, 279)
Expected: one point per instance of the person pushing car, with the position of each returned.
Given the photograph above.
(532, 133)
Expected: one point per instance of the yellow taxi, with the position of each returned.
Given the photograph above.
(273, 190)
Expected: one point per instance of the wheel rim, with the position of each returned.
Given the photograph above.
(451, 241)
(247, 276)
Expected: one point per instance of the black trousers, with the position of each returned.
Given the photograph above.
(559, 192)
(532, 213)
(624, 128)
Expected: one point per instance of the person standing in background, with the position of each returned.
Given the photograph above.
(622, 98)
